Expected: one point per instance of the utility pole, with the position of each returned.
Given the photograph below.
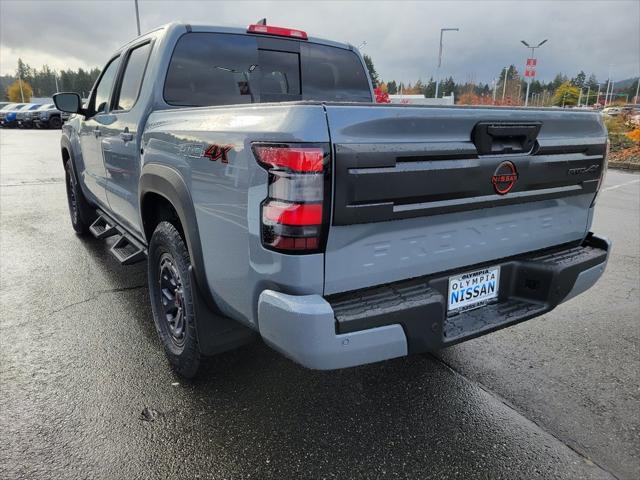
(580, 97)
(55, 77)
(598, 95)
(137, 16)
(494, 90)
(526, 97)
(637, 100)
(442, 30)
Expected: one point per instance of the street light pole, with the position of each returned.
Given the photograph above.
(442, 30)
(526, 96)
(504, 82)
(613, 84)
(137, 16)
(588, 93)
(20, 83)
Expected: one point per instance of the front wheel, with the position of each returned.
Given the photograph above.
(172, 297)
(55, 122)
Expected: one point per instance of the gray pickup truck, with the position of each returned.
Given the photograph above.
(270, 195)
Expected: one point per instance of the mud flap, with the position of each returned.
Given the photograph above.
(216, 333)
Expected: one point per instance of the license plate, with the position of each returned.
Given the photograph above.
(473, 289)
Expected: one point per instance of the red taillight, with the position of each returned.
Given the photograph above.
(278, 31)
(295, 159)
(294, 215)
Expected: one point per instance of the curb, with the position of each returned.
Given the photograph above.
(624, 165)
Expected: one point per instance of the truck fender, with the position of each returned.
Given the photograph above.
(168, 183)
(66, 143)
(216, 333)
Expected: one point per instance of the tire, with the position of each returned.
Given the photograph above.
(172, 298)
(80, 211)
(55, 122)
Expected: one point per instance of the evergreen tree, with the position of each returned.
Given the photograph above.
(592, 82)
(430, 89)
(392, 87)
(375, 78)
(579, 80)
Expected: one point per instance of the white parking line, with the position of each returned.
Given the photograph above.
(613, 187)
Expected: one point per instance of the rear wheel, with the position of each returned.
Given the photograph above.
(172, 298)
(80, 211)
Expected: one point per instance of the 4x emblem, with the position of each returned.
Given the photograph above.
(217, 152)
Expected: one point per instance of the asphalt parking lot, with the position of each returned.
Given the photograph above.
(555, 397)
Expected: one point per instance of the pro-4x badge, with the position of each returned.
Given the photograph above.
(217, 152)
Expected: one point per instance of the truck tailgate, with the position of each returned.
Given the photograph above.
(420, 190)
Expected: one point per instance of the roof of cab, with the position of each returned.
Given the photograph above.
(235, 30)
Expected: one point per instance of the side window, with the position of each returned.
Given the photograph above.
(132, 78)
(103, 88)
(211, 69)
(333, 74)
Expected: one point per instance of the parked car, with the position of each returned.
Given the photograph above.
(11, 118)
(271, 195)
(4, 104)
(611, 111)
(9, 109)
(25, 116)
(48, 116)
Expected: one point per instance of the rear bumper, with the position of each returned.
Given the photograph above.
(407, 317)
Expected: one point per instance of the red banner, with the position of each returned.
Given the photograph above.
(530, 69)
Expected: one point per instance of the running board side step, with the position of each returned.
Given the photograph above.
(127, 249)
(103, 227)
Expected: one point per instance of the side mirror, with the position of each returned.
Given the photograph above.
(68, 102)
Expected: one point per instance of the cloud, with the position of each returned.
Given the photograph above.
(402, 37)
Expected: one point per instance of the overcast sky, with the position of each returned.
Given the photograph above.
(402, 37)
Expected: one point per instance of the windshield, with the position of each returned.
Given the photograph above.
(224, 69)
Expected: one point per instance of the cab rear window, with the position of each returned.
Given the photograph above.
(226, 69)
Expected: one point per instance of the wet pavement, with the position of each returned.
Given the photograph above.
(85, 391)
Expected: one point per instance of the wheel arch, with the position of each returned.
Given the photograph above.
(66, 151)
(165, 184)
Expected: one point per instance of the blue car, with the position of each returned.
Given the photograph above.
(10, 119)
(7, 109)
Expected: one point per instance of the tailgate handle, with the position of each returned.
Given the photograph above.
(495, 138)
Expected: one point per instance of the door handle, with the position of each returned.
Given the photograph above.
(126, 136)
